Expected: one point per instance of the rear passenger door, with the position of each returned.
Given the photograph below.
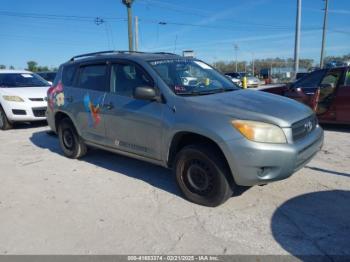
(87, 98)
(133, 125)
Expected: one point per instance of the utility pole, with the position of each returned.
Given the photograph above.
(236, 54)
(136, 33)
(297, 38)
(128, 4)
(253, 65)
(325, 20)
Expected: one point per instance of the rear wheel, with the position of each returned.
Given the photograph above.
(5, 124)
(71, 143)
(202, 176)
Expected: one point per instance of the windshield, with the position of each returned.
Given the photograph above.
(12, 80)
(192, 77)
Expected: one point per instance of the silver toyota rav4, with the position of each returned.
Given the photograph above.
(182, 114)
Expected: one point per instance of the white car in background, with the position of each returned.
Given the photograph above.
(22, 97)
(234, 80)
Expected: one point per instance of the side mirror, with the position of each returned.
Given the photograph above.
(145, 93)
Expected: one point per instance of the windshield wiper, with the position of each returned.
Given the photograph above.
(206, 92)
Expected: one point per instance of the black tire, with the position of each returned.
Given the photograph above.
(202, 175)
(71, 143)
(5, 124)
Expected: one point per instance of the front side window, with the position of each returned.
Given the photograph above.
(311, 81)
(13, 80)
(126, 77)
(94, 77)
(191, 77)
(331, 79)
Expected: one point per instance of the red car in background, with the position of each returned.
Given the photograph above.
(326, 91)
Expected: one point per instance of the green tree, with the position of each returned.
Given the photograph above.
(32, 66)
(42, 69)
(2, 67)
(12, 67)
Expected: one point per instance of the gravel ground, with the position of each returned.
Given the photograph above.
(109, 204)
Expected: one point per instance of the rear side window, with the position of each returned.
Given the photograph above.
(68, 75)
(94, 77)
(312, 80)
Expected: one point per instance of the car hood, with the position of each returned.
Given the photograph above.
(253, 105)
(26, 92)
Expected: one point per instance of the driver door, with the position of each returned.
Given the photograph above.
(327, 93)
(342, 101)
(133, 125)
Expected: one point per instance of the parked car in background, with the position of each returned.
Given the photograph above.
(252, 81)
(213, 135)
(22, 97)
(326, 91)
(235, 78)
(48, 76)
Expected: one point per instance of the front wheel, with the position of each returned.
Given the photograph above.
(5, 124)
(202, 176)
(71, 143)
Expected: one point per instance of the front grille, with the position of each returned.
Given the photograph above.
(302, 128)
(39, 111)
(36, 99)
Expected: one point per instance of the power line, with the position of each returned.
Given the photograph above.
(160, 22)
(185, 11)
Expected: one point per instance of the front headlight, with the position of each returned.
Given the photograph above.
(260, 132)
(13, 98)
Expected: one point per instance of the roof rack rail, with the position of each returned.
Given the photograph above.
(105, 52)
(91, 54)
(164, 53)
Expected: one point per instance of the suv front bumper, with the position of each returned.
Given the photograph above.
(253, 163)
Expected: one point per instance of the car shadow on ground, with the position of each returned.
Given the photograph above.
(315, 224)
(27, 125)
(336, 128)
(156, 176)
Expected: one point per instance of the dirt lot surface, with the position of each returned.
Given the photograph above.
(109, 204)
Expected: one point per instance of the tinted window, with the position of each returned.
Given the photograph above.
(21, 80)
(68, 75)
(93, 77)
(126, 77)
(347, 78)
(312, 80)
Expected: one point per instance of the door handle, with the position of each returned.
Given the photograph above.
(109, 106)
